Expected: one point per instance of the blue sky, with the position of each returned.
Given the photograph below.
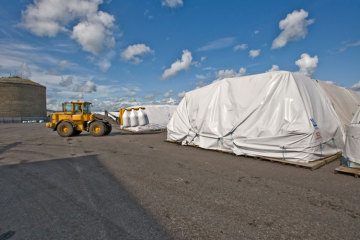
(117, 53)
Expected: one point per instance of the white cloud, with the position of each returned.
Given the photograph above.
(24, 71)
(92, 27)
(65, 64)
(356, 86)
(254, 53)
(149, 96)
(172, 3)
(88, 87)
(181, 94)
(218, 44)
(133, 52)
(201, 76)
(196, 63)
(147, 14)
(274, 68)
(256, 32)
(307, 64)
(105, 63)
(293, 27)
(209, 68)
(242, 46)
(180, 65)
(200, 84)
(229, 73)
(355, 44)
(94, 33)
(52, 104)
(65, 82)
(78, 96)
(203, 59)
(169, 93)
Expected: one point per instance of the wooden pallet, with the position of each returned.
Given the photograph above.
(310, 165)
(346, 170)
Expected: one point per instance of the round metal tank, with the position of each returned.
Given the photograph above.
(21, 99)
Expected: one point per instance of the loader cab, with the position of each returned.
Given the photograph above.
(78, 107)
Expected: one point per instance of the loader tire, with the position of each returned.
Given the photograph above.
(108, 129)
(97, 129)
(65, 129)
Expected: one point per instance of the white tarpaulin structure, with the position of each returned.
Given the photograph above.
(344, 101)
(352, 142)
(356, 118)
(276, 114)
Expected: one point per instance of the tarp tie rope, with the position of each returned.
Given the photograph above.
(231, 135)
(196, 135)
(333, 140)
(283, 152)
(321, 148)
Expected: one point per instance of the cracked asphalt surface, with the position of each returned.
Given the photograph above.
(136, 186)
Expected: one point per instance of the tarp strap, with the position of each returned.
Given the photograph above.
(344, 161)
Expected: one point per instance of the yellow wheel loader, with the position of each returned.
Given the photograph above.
(77, 117)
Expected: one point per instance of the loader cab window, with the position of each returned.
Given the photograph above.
(67, 107)
(78, 108)
(87, 108)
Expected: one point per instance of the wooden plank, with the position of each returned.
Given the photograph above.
(352, 171)
(310, 165)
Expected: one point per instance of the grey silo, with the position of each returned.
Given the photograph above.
(21, 99)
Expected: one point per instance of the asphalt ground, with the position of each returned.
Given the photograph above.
(136, 186)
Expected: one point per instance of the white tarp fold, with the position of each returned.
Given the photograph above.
(356, 118)
(276, 114)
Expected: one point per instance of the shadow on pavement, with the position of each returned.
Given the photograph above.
(9, 146)
(73, 198)
(7, 235)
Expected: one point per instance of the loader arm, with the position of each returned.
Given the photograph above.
(108, 117)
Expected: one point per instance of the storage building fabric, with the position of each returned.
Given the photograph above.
(275, 114)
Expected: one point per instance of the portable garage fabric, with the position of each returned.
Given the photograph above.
(356, 95)
(343, 100)
(352, 142)
(275, 114)
(356, 118)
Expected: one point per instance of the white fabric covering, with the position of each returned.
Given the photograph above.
(352, 145)
(352, 142)
(343, 101)
(275, 114)
(356, 118)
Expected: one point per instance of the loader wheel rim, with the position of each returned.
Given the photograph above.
(64, 129)
(97, 129)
